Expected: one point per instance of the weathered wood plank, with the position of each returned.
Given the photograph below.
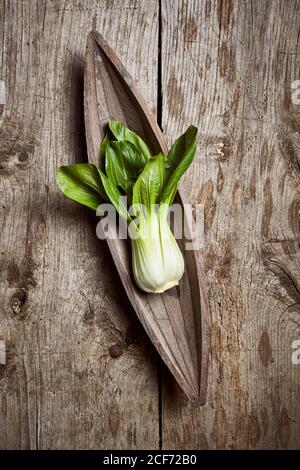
(80, 371)
(228, 67)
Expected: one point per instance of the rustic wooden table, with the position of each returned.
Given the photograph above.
(80, 372)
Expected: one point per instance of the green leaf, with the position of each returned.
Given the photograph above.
(181, 146)
(134, 157)
(121, 133)
(82, 183)
(115, 196)
(103, 146)
(148, 186)
(179, 159)
(122, 164)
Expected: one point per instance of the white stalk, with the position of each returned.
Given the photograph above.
(157, 260)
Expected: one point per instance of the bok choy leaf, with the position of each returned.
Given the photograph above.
(122, 134)
(82, 183)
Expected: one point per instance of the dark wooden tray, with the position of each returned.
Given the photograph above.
(177, 320)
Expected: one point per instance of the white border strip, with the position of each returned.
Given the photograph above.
(2, 353)
(2, 92)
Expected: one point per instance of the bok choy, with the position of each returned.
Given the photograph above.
(128, 168)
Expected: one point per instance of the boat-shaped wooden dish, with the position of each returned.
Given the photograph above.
(177, 320)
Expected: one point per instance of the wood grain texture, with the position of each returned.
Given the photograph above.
(76, 360)
(80, 371)
(228, 67)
